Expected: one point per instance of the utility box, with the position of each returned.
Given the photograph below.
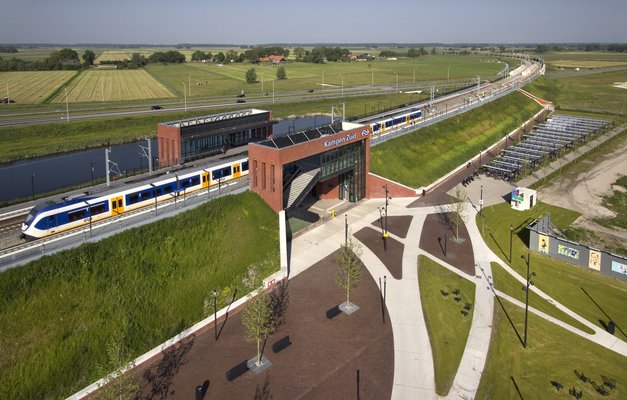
(523, 198)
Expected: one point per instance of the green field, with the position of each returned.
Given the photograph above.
(448, 327)
(113, 85)
(584, 59)
(595, 92)
(507, 284)
(562, 281)
(32, 54)
(32, 86)
(58, 313)
(419, 158)
(229, 79)
(552, 354)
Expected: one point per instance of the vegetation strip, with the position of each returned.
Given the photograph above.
(57, 313)
(448, 305)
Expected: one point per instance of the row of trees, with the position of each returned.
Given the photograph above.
(251, 74)
(64, 59)
(411, 53)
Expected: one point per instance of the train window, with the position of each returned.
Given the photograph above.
(120, 203)
(245, 166)
(168, 188)
(132, 198)
(195, 180)
(97, 209)
(52, 221)
(76, 215)
(204, 178)
(114, 204)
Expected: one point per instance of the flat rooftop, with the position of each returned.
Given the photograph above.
(213, 118)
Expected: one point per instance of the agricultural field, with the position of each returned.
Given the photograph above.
(33, 54)
(584, 59)
(591, 92)
(113, 85)
(31, 87)
(229, 79)
(125, 54)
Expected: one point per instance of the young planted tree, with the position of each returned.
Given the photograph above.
(257, 315)
(459, 207)
(349, 269)
(280, 73)
(251, 76)
(121, 383)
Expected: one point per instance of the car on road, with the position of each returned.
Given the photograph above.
(241, 101)
(156, 108)
(6, 100)
(310, 91)
(241, 95)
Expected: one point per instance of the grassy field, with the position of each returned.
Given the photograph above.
(585, 92)
(564, 282)
(32, 86)
(113, 85)
(506, 283)
(33, 54)
(57, 313)
(584, 59)
(420, 157)
(552, 354)
(229, 79)
(447, 325)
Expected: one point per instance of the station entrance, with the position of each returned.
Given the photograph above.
(325, 163)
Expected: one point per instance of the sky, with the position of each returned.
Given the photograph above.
(307, 21)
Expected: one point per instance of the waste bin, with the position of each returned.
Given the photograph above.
(611, 327)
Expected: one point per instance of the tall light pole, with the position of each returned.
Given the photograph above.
(511, 235)
(322, 77)
(7, 81)
(345, 230)
(273, 91)
(526, 289)
(341, 76)
(92, 173)
(185, 94)
(261, 83)
(448, 73)
(215, 315)
(67, 106)
(372, 77)
(414, 74)
(396, 81)
(189, 85)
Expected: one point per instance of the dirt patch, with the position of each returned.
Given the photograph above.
(397, 225)
(389, 252)
(583, 192)
(438, 239)
(321, 362)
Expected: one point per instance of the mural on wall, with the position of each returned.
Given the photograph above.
(568, 251)
(594, 260)
(543, 244)
(518, 195)
(619, 267)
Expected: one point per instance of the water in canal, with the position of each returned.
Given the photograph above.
(19, 180)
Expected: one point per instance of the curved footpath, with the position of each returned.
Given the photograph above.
(414, 376)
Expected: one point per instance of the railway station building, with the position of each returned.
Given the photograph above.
(331, 162)
(194, 138)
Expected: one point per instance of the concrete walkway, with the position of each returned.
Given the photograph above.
(414, 376)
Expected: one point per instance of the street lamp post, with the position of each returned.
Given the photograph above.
(526, 289)
(511, 235)
(92, 173)
(342, 85)
(448, 73)
(215, 315)
(273, 91)
(32, 183)
(185, 94)
(67, 106)
(396, 81)
(345, 230)
(414, 74)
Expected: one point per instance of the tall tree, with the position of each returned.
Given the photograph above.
(220, 57)
(299, 52)
(89, 57)
(199, 55)
(251, 76)
(459, 207)
(349, 268)
(257, 315)
(280, 73)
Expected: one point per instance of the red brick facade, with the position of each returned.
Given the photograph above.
(375, 184)
(169, 145)
(266, 163)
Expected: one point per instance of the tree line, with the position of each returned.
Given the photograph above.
(64, 59)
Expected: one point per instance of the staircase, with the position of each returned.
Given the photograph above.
(300, 186)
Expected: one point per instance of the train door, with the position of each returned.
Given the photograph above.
(205, 180)
(237, 171)
(117, 206)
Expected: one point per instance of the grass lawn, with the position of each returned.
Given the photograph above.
(113, 85)
(584, 59)
(617, 202)
(32, 86)
(58, 313)
(507, 284)
(562, 281)
(585, 92)
(552, 354)
(419, 158)
(448, 327)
